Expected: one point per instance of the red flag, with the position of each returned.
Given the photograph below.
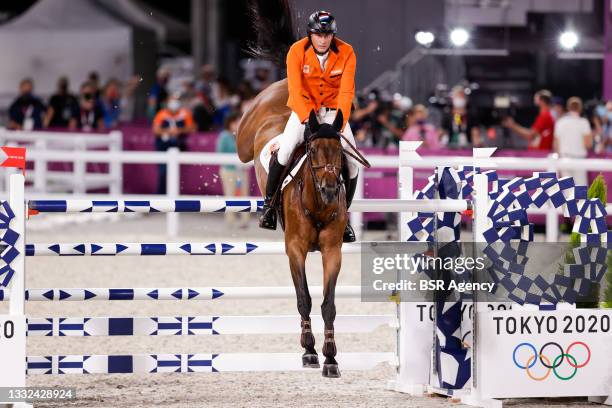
(15, 157)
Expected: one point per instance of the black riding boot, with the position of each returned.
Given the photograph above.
(268, 217)
(351, 186)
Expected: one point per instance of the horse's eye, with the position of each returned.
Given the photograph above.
(313, 150)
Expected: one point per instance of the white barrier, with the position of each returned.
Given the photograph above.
(173, 158)
(73, 146)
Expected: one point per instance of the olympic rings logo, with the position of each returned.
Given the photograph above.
(556, 362)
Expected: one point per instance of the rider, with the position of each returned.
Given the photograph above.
(321, 77)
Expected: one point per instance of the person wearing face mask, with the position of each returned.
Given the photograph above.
(89, 115)
(63, 106)
(540, 135)
(459, 126)
(171, 126)
(421, 130)
(26, 112)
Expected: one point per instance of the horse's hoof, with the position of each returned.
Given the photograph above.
(310, 361)
(331, 371)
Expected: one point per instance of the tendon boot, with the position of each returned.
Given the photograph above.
(351, 186)
(268, 216)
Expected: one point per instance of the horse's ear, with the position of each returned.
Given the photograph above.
(337, 125)
(313, 122)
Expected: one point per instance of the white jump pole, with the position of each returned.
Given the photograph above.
(173, 187)
(481, 222)
(13, 350)
(17, 204)
(356, 217)
(413, 348)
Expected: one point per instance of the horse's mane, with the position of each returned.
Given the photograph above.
(272, 22)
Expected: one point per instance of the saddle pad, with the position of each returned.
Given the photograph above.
(266, 155)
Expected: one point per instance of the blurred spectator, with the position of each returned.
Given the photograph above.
(540, 135)
(94, 80)
(360, 120)
(26, 112)
(422, 130)
(158, 93)
(201, 109)
(189, 95)
(602, 124)
(393, 122)
(262, 78)
(235, 180)
(375, 121)
(557, 108)
(573, 138)
(89, 115)
(225, 102)
(207, 84)
(114, 100)
(246, 95)
(460, 126)
(63, 107)
(171, 126)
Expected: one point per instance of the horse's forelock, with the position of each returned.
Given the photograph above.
(326, 131)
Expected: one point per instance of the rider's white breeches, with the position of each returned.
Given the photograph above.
(294, 135)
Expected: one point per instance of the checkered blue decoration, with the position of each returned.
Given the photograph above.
(8, 240)
(510, 225)
(420, 227)
(452, 360)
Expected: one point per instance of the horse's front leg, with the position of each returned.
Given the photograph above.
(296, 251)
(332, 261)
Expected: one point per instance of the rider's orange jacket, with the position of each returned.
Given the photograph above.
(310, 88)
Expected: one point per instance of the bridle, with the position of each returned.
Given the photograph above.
(317, 184)
(336, 170)
(329, 168)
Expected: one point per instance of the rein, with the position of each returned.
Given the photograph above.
(357, 156)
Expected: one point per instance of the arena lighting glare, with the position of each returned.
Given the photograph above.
(568, 40)
(425, 38)
(459, 37)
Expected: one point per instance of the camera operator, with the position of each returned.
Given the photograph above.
(540, 134)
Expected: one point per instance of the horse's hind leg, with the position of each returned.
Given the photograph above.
(332, 260)
(297, 263)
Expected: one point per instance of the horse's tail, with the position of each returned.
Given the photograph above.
(272, 22)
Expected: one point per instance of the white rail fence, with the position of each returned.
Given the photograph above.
(72, 145)
(173, 159)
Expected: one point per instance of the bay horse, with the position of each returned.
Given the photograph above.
(313, 207)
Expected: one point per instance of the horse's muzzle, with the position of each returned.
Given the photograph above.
(329, 192)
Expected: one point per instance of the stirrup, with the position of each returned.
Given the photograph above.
(349, 234)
